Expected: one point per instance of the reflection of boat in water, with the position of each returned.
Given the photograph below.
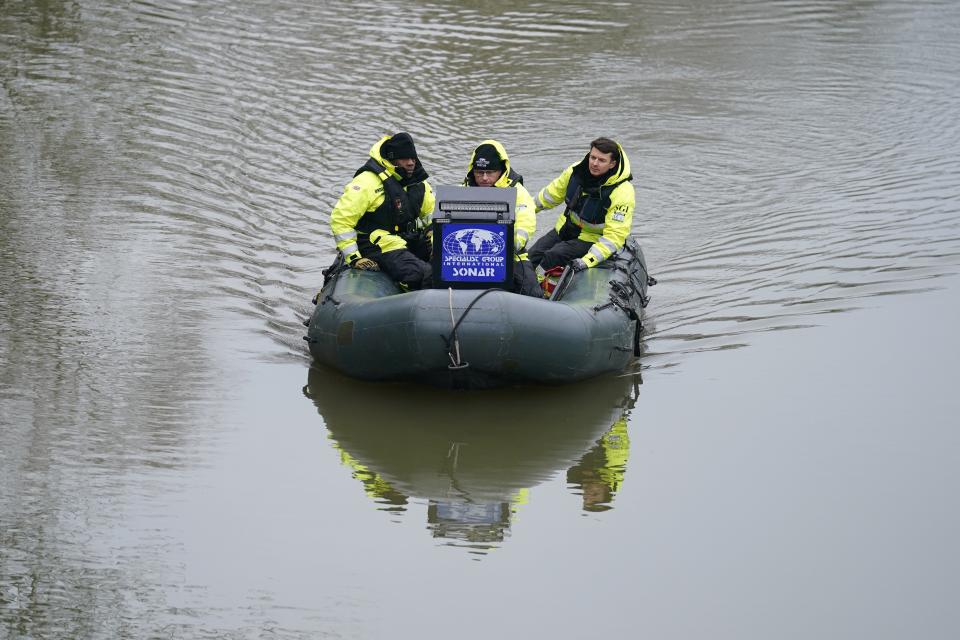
(472, 457)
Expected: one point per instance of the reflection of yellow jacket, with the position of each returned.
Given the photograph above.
(519, 499)
(600, 472)
(616, 448)
(524, 209)
(365, 195)
(374, 485)
(604, 218)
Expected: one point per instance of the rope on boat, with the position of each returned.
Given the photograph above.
(452, 341)
(330, 276)
(622, 294)
(454, 359)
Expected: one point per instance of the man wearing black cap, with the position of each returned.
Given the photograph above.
(388, 200)
(490, 167)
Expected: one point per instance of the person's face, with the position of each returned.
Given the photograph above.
(599, 162)
(486, 177)
(596, 492)
(406, 165)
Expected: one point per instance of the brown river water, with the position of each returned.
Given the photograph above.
(782, 462)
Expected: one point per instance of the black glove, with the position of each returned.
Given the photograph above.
(419, 245)
(578, 265)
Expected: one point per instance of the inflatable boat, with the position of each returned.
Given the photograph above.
(470, 334)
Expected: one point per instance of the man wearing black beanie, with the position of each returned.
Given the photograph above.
(399, 146)
(388, 204)
(490, 167)
(486, 159)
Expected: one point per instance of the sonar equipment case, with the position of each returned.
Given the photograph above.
(473, 237)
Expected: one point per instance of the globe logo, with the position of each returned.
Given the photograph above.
(473, 243)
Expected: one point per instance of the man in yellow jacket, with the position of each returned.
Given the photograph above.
(388, 202)
(490, 167)
(599, 209)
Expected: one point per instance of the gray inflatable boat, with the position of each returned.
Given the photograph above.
(367, 328)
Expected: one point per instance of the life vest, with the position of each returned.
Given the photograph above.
(587, 207)
(514, 178)
(400, 207)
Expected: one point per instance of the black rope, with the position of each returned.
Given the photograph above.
(453, 332)
(330, 276)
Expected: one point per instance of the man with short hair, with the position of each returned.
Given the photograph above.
(599, 209)
(490, 167)
(388, 200)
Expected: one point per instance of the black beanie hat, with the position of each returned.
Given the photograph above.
(486, 158)
(399, 146)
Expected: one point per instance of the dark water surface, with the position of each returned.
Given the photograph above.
(781, 463)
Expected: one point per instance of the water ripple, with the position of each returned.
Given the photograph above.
(783, 153)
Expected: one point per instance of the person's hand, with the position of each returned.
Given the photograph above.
(365, 264)
(578, 265)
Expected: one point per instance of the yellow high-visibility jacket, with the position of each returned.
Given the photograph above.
(604, 215)
(524, 211)
(363, 209)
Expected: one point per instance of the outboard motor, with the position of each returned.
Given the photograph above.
(473, 237)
